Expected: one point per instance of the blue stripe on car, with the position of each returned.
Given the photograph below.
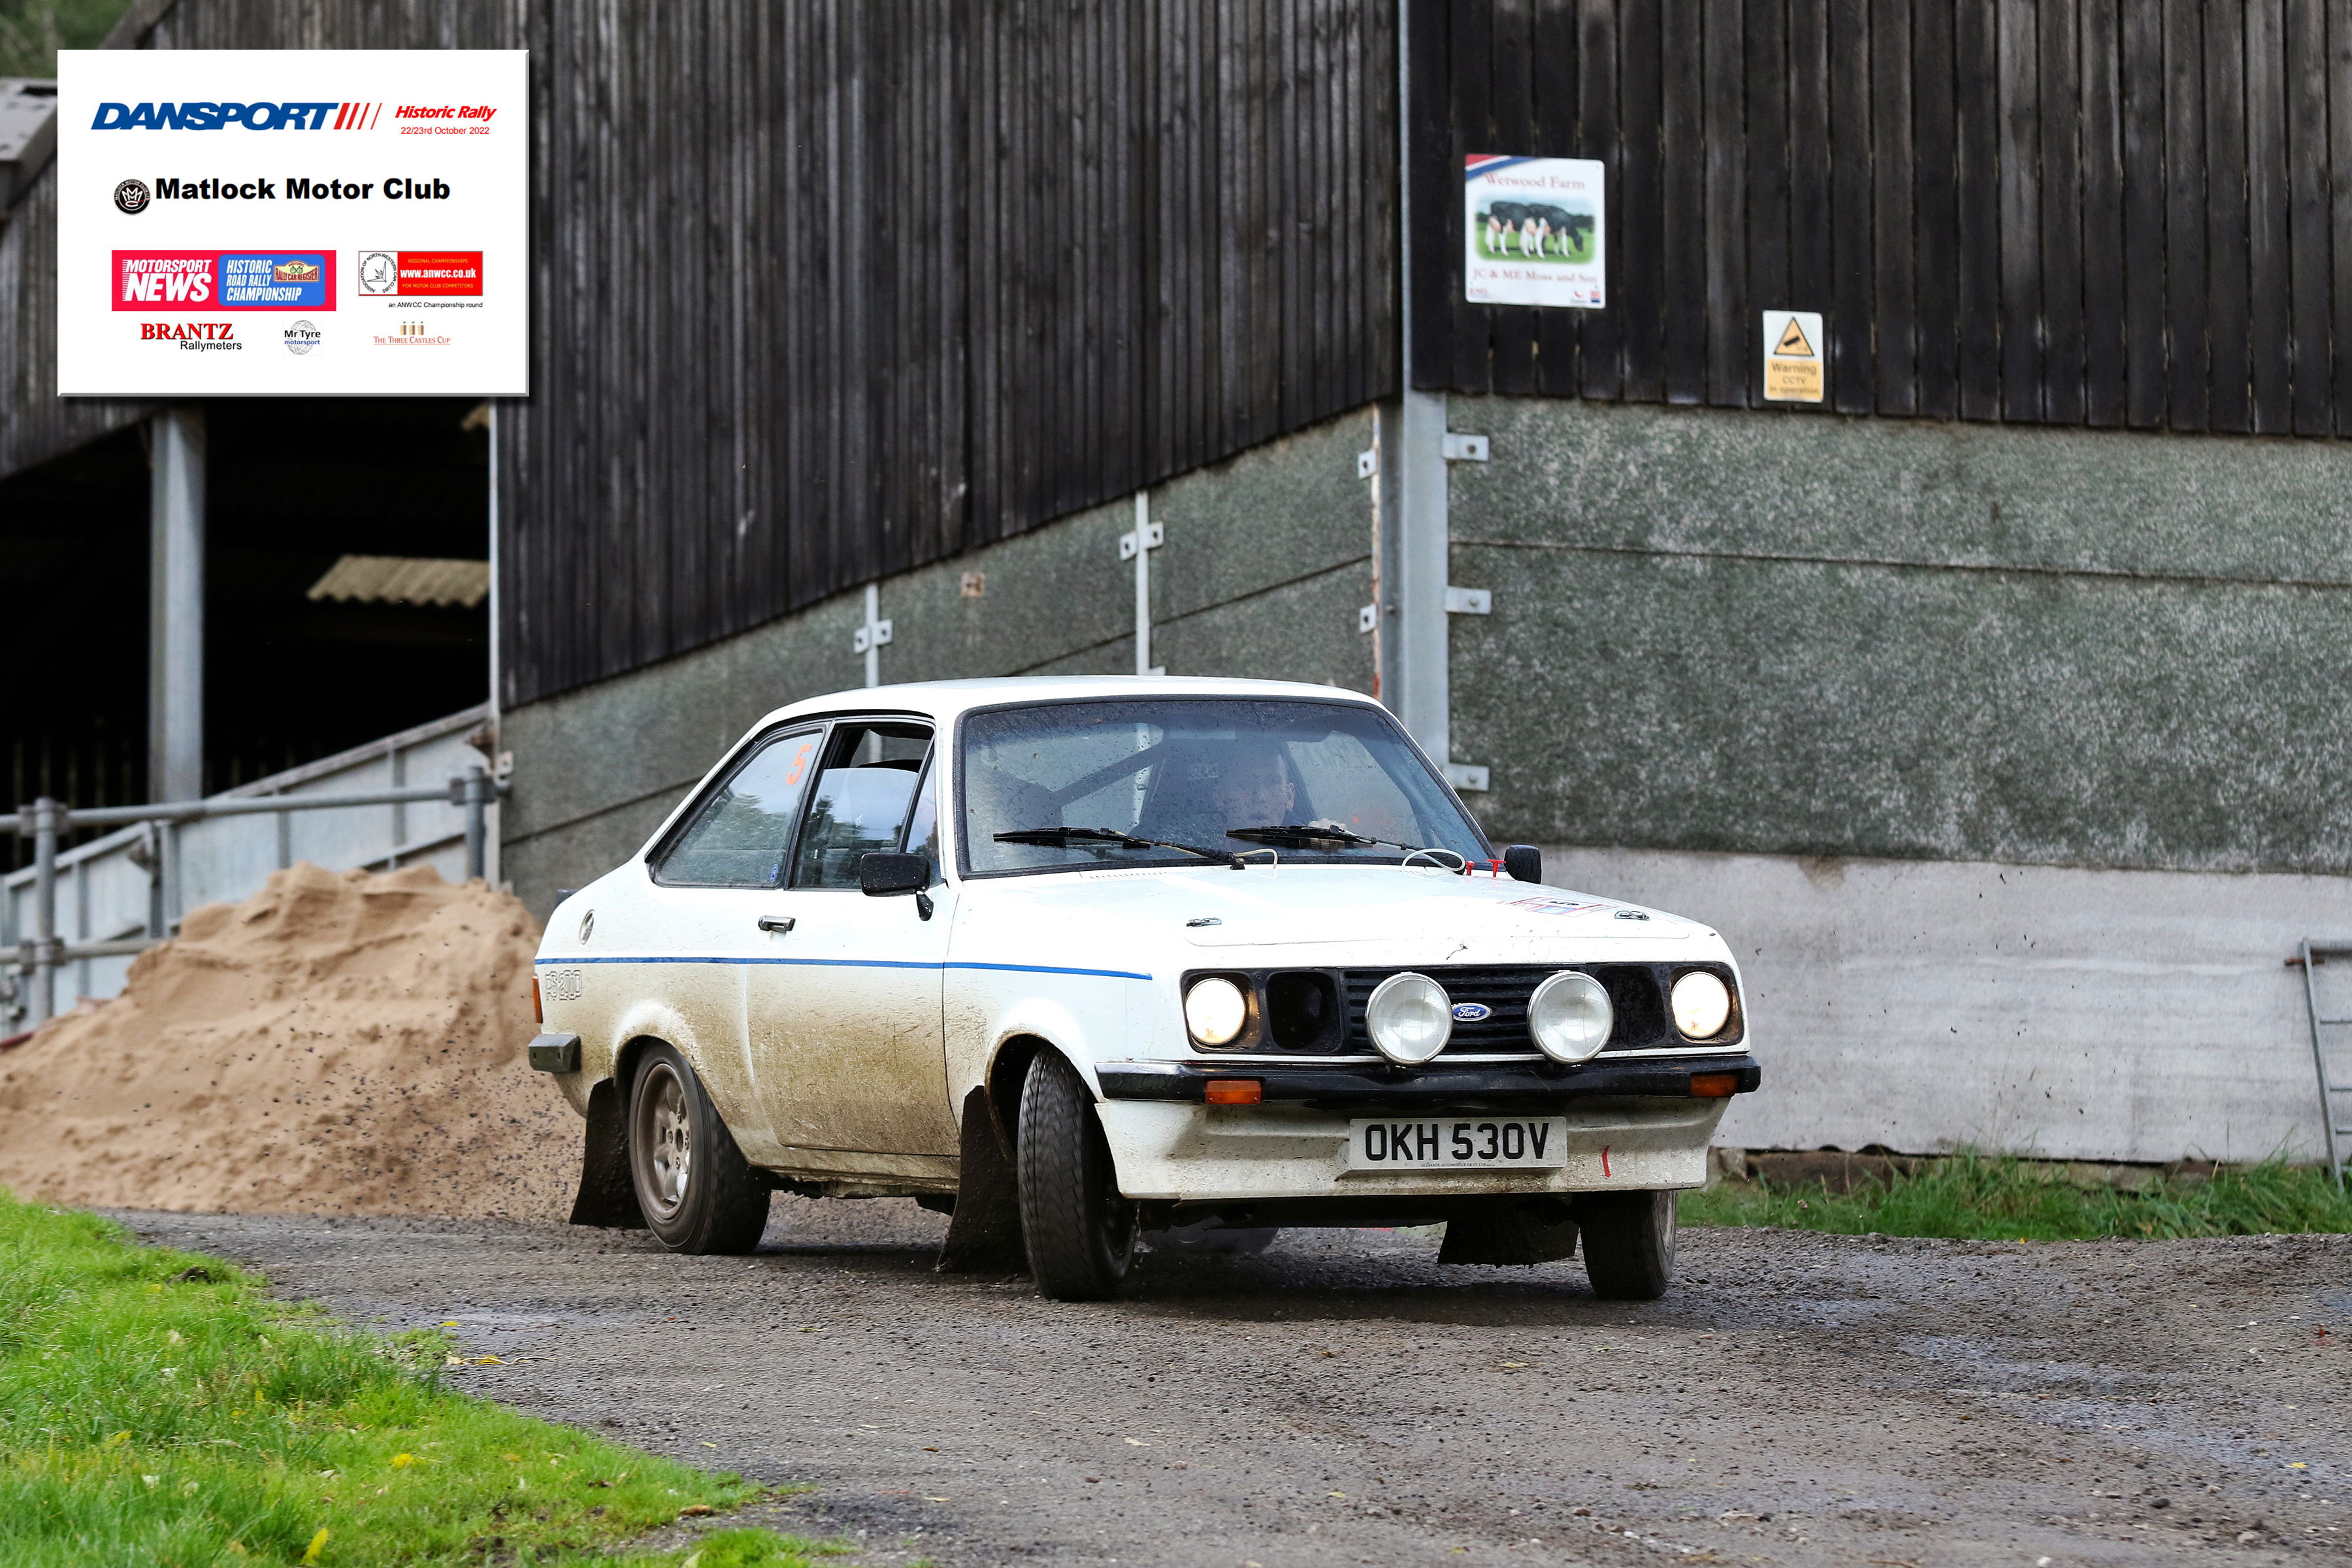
(857, 963)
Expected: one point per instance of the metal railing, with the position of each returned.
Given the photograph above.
(40, 955)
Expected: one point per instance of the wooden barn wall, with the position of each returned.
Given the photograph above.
(829, 291)
(36, 424)
(2111, 213)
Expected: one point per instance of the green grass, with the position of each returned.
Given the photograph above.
(1999, 1197)
(158, 1408)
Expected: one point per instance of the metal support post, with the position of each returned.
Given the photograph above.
(870, 638)
(1138, 547)
(48, 818)
(478, 802)
(176, 607)
(1414, 677)
(1414, 553)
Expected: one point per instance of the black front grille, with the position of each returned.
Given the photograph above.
(1637, 991)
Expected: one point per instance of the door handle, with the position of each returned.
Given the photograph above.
(777, 923)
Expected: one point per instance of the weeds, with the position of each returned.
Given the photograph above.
(158, 1408)
(1999, 1197)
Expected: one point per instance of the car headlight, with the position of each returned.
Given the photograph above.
(1570, 1016)
(1702, 1005)
(1216, 1010)
(1410, 1017)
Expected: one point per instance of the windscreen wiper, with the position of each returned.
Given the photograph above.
(1066, 838)
(1311, 835)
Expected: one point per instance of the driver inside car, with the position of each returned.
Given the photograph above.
(1210, 788)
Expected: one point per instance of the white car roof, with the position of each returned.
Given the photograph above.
(944, 699)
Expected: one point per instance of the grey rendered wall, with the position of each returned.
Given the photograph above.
(1267, 557)
(1717, 630)
(2010, 761)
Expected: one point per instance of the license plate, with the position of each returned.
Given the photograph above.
(1457, 1143)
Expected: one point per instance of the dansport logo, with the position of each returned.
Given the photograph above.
(290, 114)
(208, 115)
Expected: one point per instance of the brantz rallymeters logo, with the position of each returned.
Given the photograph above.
(131, 197)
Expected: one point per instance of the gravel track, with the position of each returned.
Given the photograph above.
(1797, 1399)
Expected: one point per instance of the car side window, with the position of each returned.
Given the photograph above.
(743, 831)
(861, 800)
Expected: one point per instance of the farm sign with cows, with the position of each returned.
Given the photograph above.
(1532, 232)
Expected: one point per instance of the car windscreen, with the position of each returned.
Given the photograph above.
(1194, 772)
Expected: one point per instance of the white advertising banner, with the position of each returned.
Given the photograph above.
(286, 221)
(1532, 232)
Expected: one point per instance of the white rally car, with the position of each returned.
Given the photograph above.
(1085, 960)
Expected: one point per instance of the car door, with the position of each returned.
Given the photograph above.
(700, 917)
(844, 1015)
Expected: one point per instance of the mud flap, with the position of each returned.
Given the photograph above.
(607, 1197)
(1524, 1234)
(985, 1232)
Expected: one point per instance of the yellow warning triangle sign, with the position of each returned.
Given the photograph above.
(1792, 344)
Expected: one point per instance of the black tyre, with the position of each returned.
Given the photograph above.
(1629, 1244)
(693, 1184)
(1080, 1233)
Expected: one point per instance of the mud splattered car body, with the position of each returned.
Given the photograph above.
(1272, 970)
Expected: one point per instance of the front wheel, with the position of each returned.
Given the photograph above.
(1629, 1244)
(697, 1192)
(1080, 1233)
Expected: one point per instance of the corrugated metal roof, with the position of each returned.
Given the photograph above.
(405, 580)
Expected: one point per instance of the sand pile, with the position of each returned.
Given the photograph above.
(337, 1044)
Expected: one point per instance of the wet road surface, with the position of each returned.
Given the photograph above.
(1798, 1399)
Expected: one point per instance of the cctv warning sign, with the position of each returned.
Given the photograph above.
(1793, 356)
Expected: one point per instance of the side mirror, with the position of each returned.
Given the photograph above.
(883, 874)
(1523, 862)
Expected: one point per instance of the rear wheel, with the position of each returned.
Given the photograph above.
(1080, 1231)
(1629, 1244)
(697, 1192)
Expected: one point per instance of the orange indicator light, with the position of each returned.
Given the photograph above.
(537, 1012)
(1235, 1092)
(1715, 1085)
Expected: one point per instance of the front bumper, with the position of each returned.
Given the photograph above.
(1377, 1088)
(1168, 1151)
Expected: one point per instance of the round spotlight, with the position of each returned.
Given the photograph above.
(1411, 1018)
(1216, 1010)
(1570, 1016)
(1702, 1005)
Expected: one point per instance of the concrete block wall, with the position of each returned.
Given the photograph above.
(2010, 759)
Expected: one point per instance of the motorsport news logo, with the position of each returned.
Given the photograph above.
(224, 281)
(288, 115)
